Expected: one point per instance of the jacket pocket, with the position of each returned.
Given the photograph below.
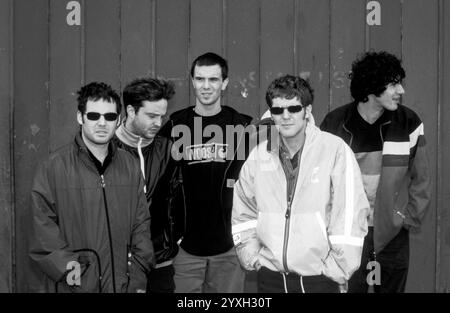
(88, 270)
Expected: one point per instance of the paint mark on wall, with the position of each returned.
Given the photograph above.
(305, 75)
(34, 129)
(339, 79)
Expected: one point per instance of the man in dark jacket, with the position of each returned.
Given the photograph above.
(206, 154)
(145, 102)
(91, 222)
(389, 144)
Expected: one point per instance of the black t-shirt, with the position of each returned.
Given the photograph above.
(204, 163)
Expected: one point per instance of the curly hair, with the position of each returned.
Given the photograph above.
(288, 87)
(95, 91)
(372, 73)
(147, 89)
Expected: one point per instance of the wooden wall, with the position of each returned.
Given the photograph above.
(43, 61)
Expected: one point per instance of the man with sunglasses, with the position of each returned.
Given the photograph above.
(299, 208)
(145, 101)
(389, 144)
(91, 225)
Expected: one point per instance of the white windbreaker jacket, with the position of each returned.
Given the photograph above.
(324, 232)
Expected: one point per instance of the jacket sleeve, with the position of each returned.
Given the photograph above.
(347, 225)
(141, 256)
(244, 217)
(48, 248)
(420, 187)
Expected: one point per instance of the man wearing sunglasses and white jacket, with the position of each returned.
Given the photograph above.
(299, 208)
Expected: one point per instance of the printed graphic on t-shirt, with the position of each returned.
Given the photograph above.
(204, 153)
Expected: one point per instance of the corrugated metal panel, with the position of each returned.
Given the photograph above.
(420, 57)
(31, 121)
(277, 45)
(65, 63)
(347, 40)
(243, 46)
(103, 37)
(172, 53)
(443, 190)
(313, 51)
(6, 168)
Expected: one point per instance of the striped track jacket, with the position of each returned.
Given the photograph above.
(404, 189)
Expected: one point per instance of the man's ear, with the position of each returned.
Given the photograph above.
(80, 118)
(130, 111)
(225, 84)
(118, 120)
(308, 110)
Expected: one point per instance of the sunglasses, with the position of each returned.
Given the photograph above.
(291, 109)
(94, 116)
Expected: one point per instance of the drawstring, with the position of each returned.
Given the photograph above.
(141, 159)
(301, 284)
(284, 280)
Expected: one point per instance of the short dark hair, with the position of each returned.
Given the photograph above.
(147, 89)
(95, 91)
(209, 59)
(372, 72)
(288, 87)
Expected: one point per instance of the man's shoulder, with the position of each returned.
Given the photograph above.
(237, 117)
(340, 112)
(407, 117)
(181, 115)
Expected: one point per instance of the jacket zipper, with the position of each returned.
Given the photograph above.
(351, 135)
(109, 233)
(286, 234)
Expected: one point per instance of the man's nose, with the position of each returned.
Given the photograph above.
(101, 120)
(158, 121)
(285, 113)
(400, 89)
(206, 83)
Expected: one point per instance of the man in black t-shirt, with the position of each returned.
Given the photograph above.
(205, 152)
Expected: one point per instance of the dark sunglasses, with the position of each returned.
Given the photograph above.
(94, 116)
(291, 109)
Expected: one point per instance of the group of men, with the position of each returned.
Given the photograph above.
(190, 204)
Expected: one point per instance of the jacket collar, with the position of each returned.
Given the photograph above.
(83, 149)
(273, 140)
(131, 139)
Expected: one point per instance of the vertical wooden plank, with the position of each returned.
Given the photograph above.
(172, 46)
(420, 57)
(243, 55)
(65, 74)
(443, 268)
(206, 30)
(387, 36)
(206, 27)
(31, 125)
(347, 41)
(137, 39)
(314, 52)
(103, 36)
(6, 169)
(277, 44)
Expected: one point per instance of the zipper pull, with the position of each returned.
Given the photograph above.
(288, 210)
(102, 181)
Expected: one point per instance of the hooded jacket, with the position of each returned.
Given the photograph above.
(157, 168)
(404, 190)
(321, 229)
(99, 221)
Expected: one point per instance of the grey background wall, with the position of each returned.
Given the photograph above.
(43, 61)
